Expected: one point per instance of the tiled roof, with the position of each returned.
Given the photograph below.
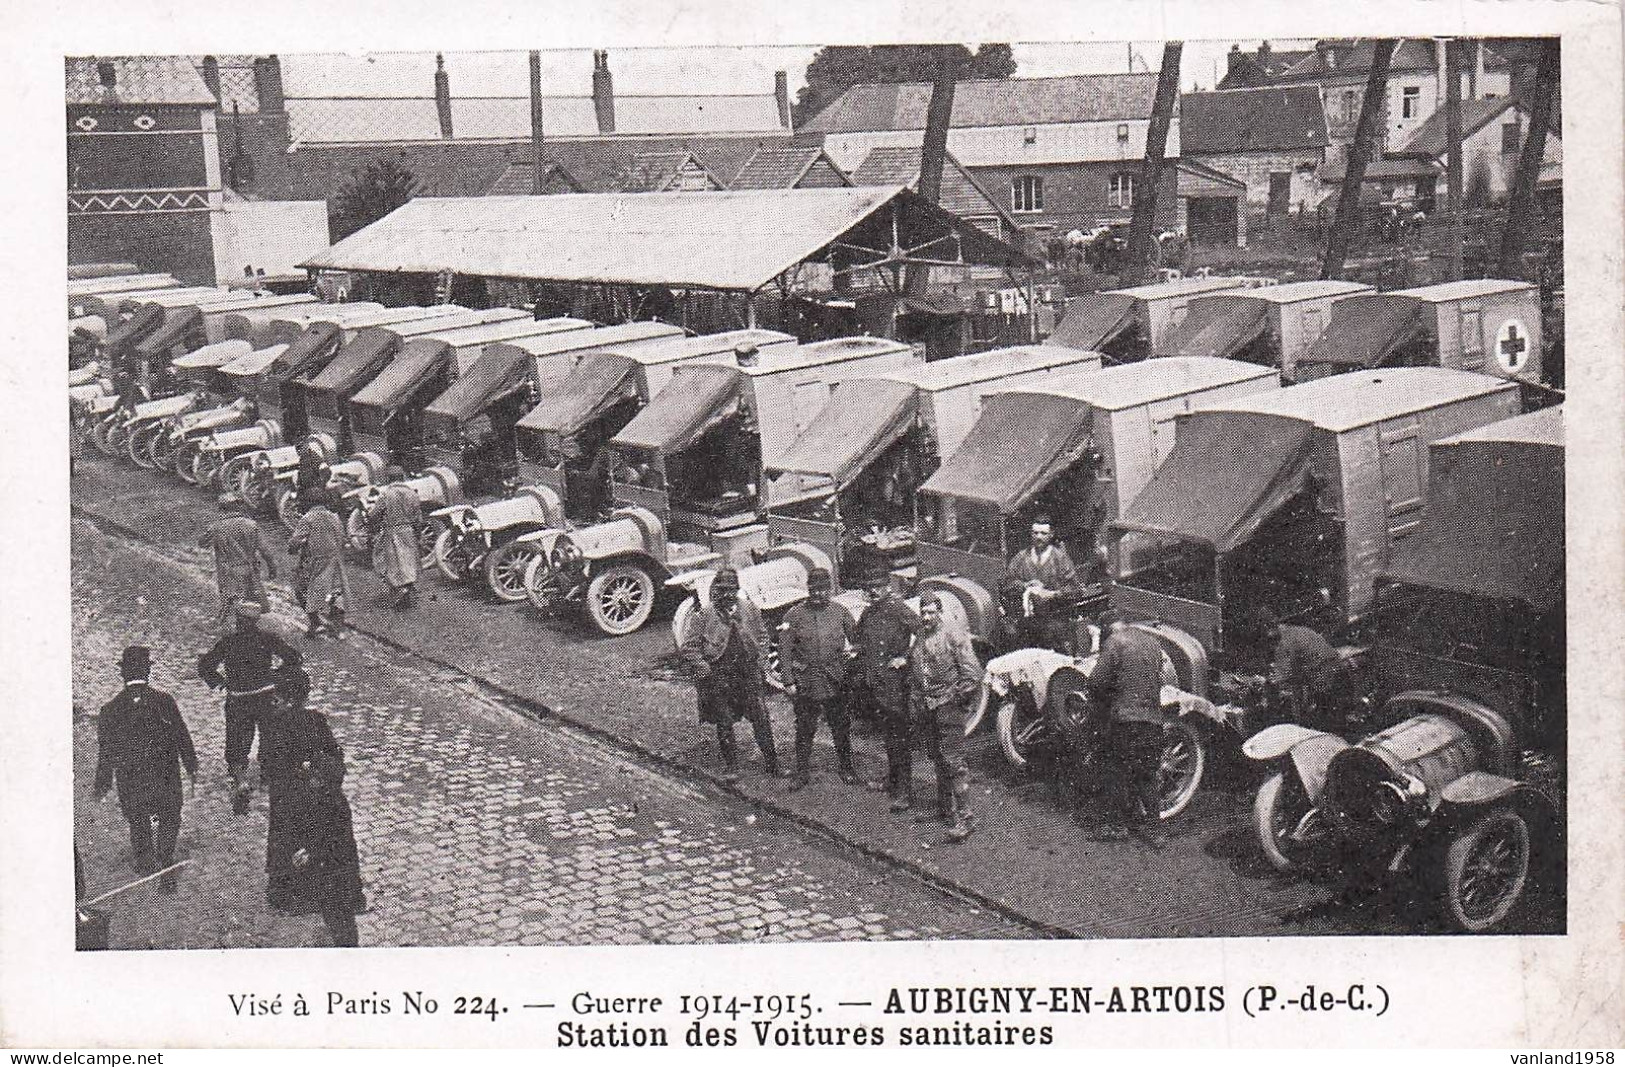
(654, 172)
(961, 194)
(991, 102)
(1283, 118)
(136, 80)
(1354, 56)
(1430, 140)
(778, 166)
(515, 181)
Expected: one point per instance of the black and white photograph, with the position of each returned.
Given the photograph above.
(976, 489)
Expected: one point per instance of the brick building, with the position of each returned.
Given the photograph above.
(1274, 139)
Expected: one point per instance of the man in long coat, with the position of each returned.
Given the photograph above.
(241, 664)
(291, 733)
(143, 744)
(239, 548)
(319, 578)
(724, 649)
(884, 633)
(396, 515)
(323, 833)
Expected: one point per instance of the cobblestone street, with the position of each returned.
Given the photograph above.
(476, 825)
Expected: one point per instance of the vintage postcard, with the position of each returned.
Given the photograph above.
(856, 527)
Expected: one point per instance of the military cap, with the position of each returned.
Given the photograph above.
(135, 661)
(727, 579)
(820, 578)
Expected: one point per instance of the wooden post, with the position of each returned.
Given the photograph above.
(536, 123)
(1452, 135)
(1140, 228)
(1365, 135)
(1522, 215)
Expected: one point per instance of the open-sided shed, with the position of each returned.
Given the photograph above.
(1272, 325)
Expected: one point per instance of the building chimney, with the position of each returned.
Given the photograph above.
(781, 93)
(107, 73)
(1478, 67)
(211, 76)
(1232, 59)
(268, 84)
(1263, 50)
(442, 95)
(603, 92)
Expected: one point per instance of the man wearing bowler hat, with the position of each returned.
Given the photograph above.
(241, 664)
(724, 649)
(143, 744)
(812, 655)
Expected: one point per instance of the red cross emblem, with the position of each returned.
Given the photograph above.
(1512, 346)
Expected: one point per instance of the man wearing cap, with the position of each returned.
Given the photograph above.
(1304, 668)
(396, 516)
(1127, 680)
(240, 663)
(724, 651)
(812, 655)
(1048, 581)
(313, 474)
(884, 632)
(319, 579)
(291, 732)
(944, 676)
(143, 744)
(239, 547)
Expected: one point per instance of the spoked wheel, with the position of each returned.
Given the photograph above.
(358, 538)
(1184, 761)
(542, 587)
(1278, 810)
(213, 468)
(429, 532)
(185, 462)
(1022, 731)
(773, 670)
(107, 437)
(1486, 869)
(620, 599)
(257, 492)
(162, 450)
(138, 445)
(453, 555)
(505, 568)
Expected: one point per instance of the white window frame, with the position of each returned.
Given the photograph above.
(1116, 186)
(1027, 194)
(1410, 102)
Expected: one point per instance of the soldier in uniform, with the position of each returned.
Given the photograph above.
(812, 654)
(290, 734)
(240, 663)
(320, 582)
(884, 633)
(323, 835)
(1127, 680)
(396, 515)
(239, 547)
(944, 676)
(1048, 580)
(724, 649)
(313, 474)
(1304, 668)
(143, 744)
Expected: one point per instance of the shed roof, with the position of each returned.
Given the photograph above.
(718, 240)
(1361, 398)
(991, 102)
(171, 80)
(1148, 381)
(1283, 118)
(1464, 289)
(1431, 139)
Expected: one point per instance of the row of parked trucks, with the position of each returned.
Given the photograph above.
(1210, 449)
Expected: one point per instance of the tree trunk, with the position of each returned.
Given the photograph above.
(1140, 238)
(1521, 212)
(934, 150)
(1453, 162)
(1365, 135)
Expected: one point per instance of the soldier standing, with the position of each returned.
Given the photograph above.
(884, 633)
(944, 676)
(245, 655)
(1127, 680)
(396, 515)
(239, 547)
(320, 582)
(812, 654)
(143, 743)
(723, 650)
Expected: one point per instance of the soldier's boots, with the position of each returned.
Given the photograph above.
(963, 821)
(902, 798)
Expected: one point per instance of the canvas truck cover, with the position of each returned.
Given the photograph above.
(591, 388)
(1019, 444)
(1494, 520)
(416, 362)
(1218, 327)
(500, 370)
(349, 367)
(1094, 320)
(303, 350)
(1227, 474)
(177, 323)
(860, 421)
(1363, 331)
(137, 326)
(696, 399)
